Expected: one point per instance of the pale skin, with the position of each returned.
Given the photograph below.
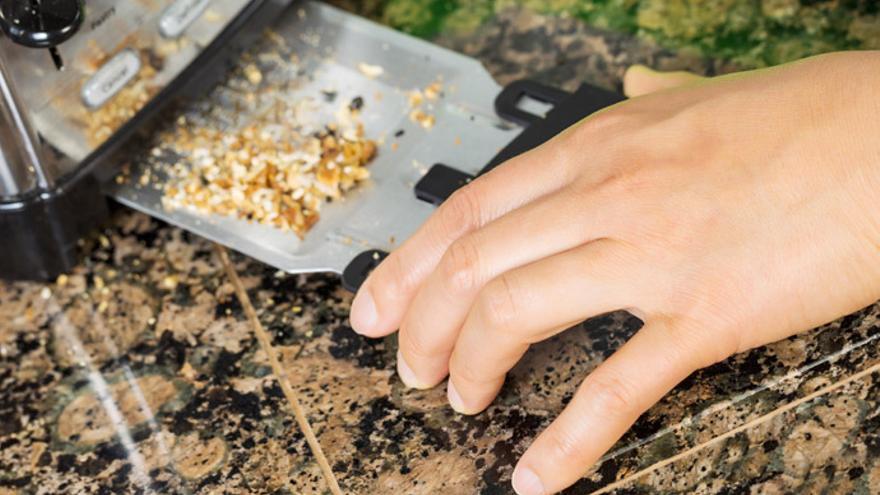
(726, 213)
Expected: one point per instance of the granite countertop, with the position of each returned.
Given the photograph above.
(140, 372)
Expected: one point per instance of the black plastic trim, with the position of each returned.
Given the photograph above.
(39, 239)
(507, 102)
(439, 183)
(360, 268)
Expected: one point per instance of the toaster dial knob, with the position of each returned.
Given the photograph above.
(40, 23)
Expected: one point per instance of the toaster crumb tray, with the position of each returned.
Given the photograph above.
(420, 103)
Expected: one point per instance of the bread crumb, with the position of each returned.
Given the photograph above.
(371, 71)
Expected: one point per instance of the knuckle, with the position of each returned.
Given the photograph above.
(628, 181)
(564, 445)
(611, 395)
(498, 302)
(602, 123)
(692, 342)
(415, 344)
(695, 135)
(704, 329)
(460, 267)
(467, 371)
(463, 211)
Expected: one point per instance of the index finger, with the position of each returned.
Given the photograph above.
(382, 300)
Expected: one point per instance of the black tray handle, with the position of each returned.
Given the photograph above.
(507, 102)
(360, 267)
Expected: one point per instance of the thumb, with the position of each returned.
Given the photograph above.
(640, 80)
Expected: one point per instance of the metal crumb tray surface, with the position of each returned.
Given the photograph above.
(331, 48)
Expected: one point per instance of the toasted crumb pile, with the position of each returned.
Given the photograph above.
(250, 151)
(266, 172)
(417, 99)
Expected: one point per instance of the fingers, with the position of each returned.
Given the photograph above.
(550, 225)
(380, 304)
(640, 80)
(609, 401)
(531, 303)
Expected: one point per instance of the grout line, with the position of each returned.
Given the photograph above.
(724, 436)
(279, 372)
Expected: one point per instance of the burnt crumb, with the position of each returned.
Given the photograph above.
(399, 133)
(329, 95)
(357, 103)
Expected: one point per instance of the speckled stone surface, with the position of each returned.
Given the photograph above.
(138, 372)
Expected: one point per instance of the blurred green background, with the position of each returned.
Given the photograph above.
(748, 33)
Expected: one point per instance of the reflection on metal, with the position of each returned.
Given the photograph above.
(20, 166)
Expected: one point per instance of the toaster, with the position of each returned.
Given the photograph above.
(76, 80)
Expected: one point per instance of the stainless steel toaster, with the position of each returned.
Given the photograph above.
(76, 79)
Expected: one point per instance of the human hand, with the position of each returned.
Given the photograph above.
(726, 213)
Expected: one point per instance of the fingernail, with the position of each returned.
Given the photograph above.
(406, 374)
(363, 312)
(526, 482)
(454, 398)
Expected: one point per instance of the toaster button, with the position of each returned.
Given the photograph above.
(179, 15)
(110, 78)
